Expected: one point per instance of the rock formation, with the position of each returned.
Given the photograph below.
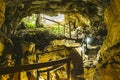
(108, 67)
(2, 12)
(110, 50)
(88, 9)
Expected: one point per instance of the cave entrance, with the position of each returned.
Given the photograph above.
(43, 38)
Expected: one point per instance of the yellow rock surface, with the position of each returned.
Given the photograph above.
(112, 19)
(111, 49)
(2, 12)
(109, 67)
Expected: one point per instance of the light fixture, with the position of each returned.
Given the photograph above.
(88, 40)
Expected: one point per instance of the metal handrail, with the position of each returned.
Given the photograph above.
(21, 68)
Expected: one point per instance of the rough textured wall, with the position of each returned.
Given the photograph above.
(2, 12)
(18, 9)
(108, 67)
(77, 18)
(112, 18)
(109, 62)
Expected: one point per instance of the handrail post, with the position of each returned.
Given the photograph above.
(37, 58)
(70, 29)
(48, 75)
(68, 70)
(19, 76)
(37, 74)
(58, 28)
(77, 34)
(64, 30)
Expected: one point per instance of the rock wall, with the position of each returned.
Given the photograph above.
(108, 67)
(77, 18)
(16, 9)
(2, 12)
(111, 45)
(112, 18)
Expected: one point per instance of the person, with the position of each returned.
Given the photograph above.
(84, 42)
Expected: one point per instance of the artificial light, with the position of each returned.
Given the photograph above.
(88, 40)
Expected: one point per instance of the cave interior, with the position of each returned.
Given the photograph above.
(59, 40)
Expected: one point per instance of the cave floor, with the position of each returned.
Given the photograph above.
(92, 54)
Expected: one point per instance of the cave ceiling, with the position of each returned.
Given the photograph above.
(18, 9)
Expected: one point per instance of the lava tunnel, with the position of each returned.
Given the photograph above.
(59, 40)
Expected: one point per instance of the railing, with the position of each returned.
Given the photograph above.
(55, 65)
(69, 25)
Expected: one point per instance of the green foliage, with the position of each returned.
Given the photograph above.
(56, 30)
(29, 21)
(29, 25)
